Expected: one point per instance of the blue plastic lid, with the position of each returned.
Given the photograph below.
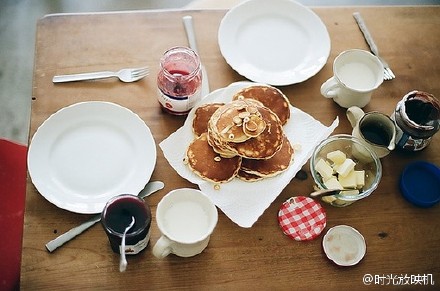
(420, 183)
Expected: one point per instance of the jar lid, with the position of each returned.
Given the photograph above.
(420, 183)
(302, 218)
(344, 245)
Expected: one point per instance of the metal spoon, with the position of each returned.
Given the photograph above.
(329, 192)
(324, 192)
(123, 260)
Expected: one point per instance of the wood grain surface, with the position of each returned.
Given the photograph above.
(401, 239)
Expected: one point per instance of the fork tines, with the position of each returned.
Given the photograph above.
(140, 72)
(388, 74)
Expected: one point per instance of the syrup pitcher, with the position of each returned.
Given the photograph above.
(417, 119)
(375, 129)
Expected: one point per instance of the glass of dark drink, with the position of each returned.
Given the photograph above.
(117, 215)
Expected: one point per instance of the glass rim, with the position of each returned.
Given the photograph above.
(185, 50)
(119, 234)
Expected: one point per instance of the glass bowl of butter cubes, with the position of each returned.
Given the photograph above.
(343, 162)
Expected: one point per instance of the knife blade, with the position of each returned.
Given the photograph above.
(149, 189)
(189, 29)
(367, 35)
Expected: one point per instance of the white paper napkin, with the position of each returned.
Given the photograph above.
(244, 202)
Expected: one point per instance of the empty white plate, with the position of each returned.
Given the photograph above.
(88, 152)
(277, 42)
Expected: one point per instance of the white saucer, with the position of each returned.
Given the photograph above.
(86, 153)
(278, 42)
(344, 245)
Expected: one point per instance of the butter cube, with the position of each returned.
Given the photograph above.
(328, 199)
(333, 183)
(360, 178)
(340, 202)
(336, 157)
(328, 178)
(324, 169)
(346, 167)
(350, 192)
(349, 181)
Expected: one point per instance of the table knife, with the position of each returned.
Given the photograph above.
(368, 38)
(189, 28)
(149, 189)
(388, 73)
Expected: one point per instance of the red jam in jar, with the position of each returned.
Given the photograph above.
(179, 80)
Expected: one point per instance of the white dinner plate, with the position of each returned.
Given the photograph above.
(278, 42)
(88, 152)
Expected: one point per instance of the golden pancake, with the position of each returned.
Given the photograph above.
(245, 128)
(265, 145)
(237, 121)
(223, 124)
(270, 97)
(207, 164)
(202, 115)
(273, 166)
(218, 146)
(242, 175)
(242, 138)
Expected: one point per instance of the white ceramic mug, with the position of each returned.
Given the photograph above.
(186, 218)
(375, 129)
(357, 73)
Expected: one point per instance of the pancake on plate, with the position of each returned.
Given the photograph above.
(243, 138)
(237, 121)
(242, 175)
(245, 128)
(273, 166)
(270, 97)
(208, 164)
(202, 115)
(266, 144)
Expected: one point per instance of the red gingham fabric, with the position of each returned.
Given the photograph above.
(302, 218)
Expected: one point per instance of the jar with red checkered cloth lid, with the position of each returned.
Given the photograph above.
(302, 218)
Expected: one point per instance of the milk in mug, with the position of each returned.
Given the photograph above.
(186, 221)
(357, 76)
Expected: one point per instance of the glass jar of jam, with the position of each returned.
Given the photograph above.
(117, 215)
(179, 80)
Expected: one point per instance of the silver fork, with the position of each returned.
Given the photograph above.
(387, 73)
(125, 75)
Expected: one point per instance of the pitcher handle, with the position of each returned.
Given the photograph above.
(354, 114)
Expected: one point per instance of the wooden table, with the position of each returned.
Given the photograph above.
(402, 240)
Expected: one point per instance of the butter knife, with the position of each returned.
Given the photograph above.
(189, 28)
(149, 189)
(373, 47)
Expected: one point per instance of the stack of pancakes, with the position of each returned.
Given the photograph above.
(243, 138)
